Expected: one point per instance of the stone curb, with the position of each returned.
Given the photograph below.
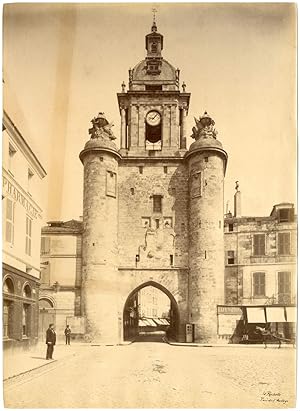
(227, 345)
(37, 367)
(29, 370)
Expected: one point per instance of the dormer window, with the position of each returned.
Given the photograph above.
(285, 215)
(153, 68)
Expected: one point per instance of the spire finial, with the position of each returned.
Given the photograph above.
(154, 28)
(237, 185)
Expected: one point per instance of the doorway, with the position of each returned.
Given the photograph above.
(46, 316)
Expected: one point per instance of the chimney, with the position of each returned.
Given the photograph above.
(237, 201)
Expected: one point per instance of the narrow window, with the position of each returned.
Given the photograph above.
(171, 259)
(29, 181)
(27, 291)
(132, 191)
(157, 223)
(205, 255)
(259, 284)
(206, 159)
(11, 157)
(25, 320)
(230, 257)
(45, 273)
(166, 170)
(28, 235)
(259, 244)
(154, 47)
(141, 169)
(157, 204)
(284, 244)
(7, 313)
(9, 233)
(45, 245)
(284, 287)
(230, 227)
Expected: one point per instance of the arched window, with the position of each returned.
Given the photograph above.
(27, 291)
(8, 286)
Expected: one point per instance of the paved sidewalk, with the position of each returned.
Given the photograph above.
(20, 363)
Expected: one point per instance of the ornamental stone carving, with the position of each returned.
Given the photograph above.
(101, 128)
(204, 127)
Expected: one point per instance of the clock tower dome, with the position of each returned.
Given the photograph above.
(153, 110)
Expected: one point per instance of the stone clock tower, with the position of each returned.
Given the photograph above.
(153, 111)
(153, 210)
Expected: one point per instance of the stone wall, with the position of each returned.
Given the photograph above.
(137, 185)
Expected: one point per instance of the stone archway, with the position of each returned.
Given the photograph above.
(131, 313)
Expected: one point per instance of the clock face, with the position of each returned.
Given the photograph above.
(153, 118)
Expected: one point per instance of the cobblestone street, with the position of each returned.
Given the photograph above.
(160, 376)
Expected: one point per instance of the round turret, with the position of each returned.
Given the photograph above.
(207, 163)
(99, 239)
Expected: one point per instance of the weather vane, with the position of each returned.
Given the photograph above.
(154, 11)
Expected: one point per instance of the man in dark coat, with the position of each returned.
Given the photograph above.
(50, 341)
(68, 334)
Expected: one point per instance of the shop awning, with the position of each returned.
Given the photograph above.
(291, 314)
(275, 314)
(165, 321)
(256, 315)
(158, 321)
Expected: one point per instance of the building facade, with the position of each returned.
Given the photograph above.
(22, 175)
(59, 299)
(260, 269)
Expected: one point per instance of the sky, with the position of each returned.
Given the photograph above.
(63, 63)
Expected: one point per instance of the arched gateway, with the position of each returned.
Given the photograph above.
(132, 313)
(153, 210)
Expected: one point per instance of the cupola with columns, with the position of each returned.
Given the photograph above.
(153, 109)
